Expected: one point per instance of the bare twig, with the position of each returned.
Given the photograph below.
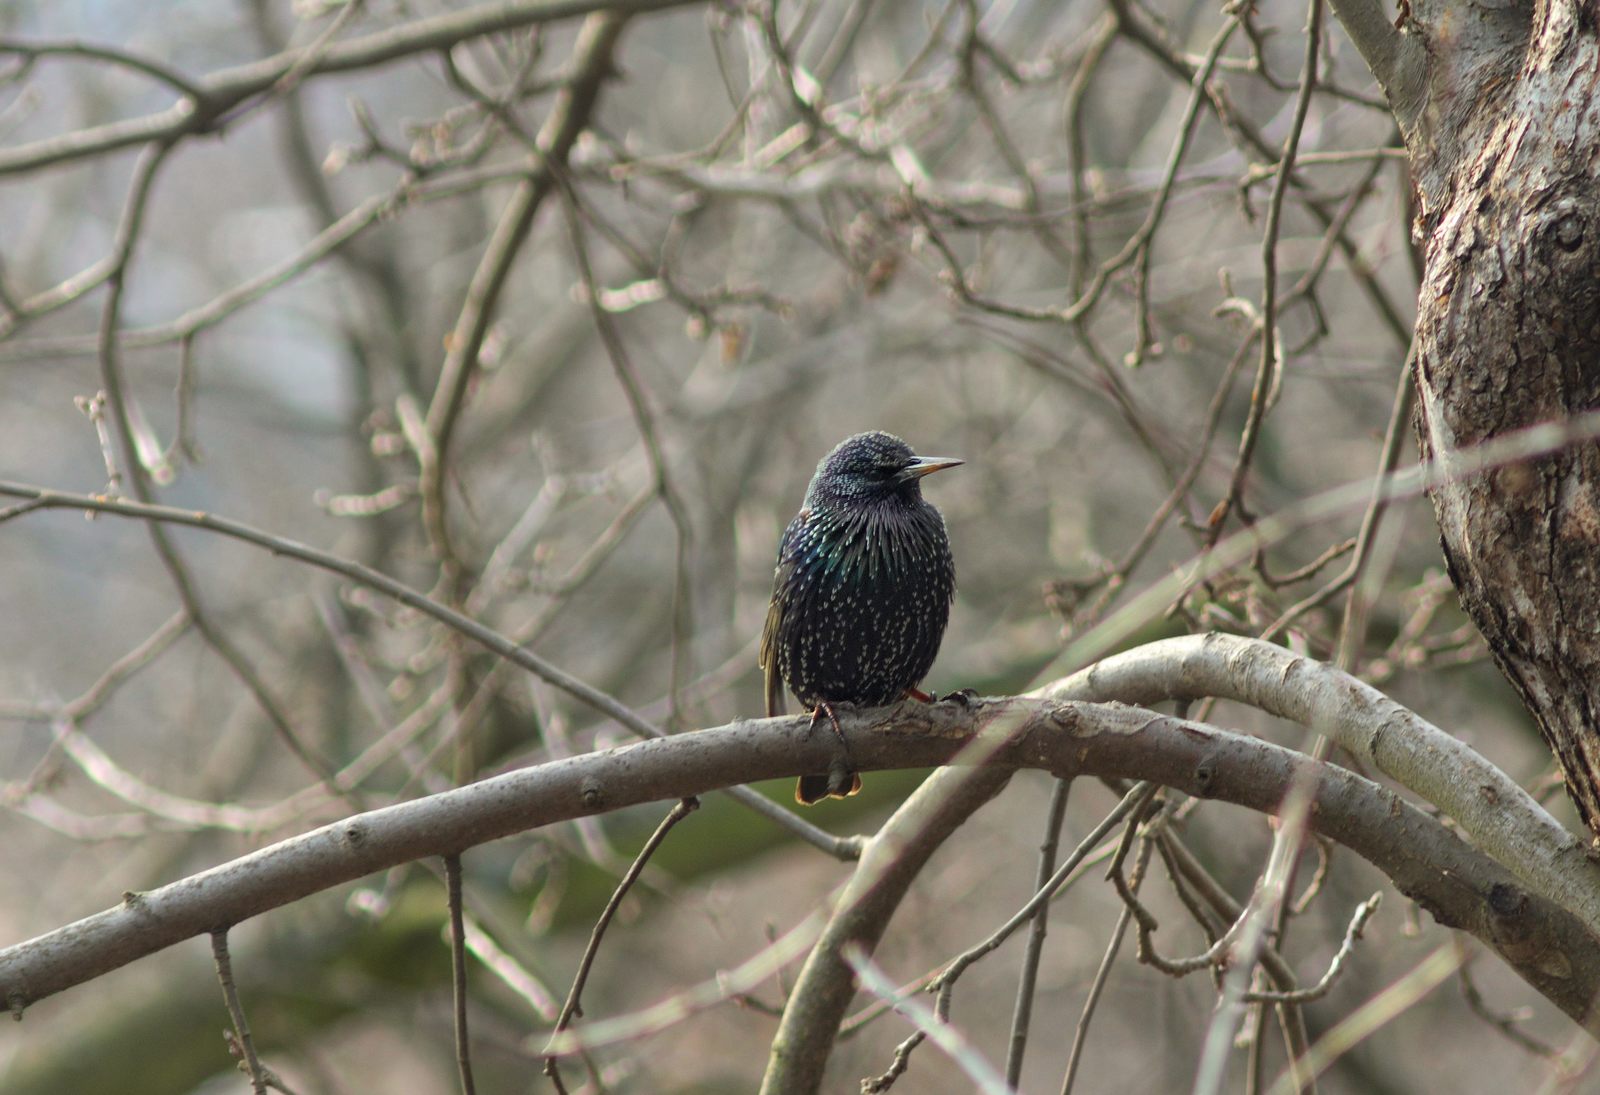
(644, 417)
(88, 51)
(222, 91)
(572, 1009)
(241, 1026)
(1023, 1012)
(1270, 363)
(458, 972)
(129, 229)
(1358, 920)
(934, 812)
(1080, 1033)
(569, 115)
(1373, 1015)
(965, 1055)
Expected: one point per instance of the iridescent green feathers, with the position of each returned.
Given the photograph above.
(862, 590)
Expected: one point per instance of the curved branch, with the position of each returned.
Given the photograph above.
(1494, 811)
(1546, 945)
(891, 862)
(89, 51)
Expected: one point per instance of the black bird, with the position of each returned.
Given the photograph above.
(862, 591)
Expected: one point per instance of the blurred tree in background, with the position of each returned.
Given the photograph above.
(545, 311)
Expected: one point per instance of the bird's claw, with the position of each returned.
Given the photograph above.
(966, 697)
(826, 708)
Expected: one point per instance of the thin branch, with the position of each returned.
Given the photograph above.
(1358, 921)
(728, 985)
(225, 90)
(1080, 1033)
(1134, 26)
(1132, 804)
(1134, 616)
(1241, 947)
(91, 699)
(944, 983)
(569, 115)
(966, 1056)
(1021, 1015)
(892, 861)
(129, 228)
(572, 1009)
(458, 972)
(241, 1026)
(644, 417)
(88, 51)
(1507, 1025)
(512, 973)
(1189, 875)
(1376, 1013)
(1270, 363)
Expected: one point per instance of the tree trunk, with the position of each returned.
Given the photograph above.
(1503, 127)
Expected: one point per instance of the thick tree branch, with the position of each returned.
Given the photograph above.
(1494, 811)
(1397, 60)
(1547, 945)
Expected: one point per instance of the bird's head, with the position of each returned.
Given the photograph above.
(871, 467)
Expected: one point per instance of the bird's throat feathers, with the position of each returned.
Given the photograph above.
(866, 541)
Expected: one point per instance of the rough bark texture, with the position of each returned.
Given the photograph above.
(1505, 159)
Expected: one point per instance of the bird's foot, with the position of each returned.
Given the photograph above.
(965, 697)
(826, 708)
(841, 780)
(919, 694)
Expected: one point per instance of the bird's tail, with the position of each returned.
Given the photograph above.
(838, 782)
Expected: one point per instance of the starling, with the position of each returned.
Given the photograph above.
(862, 591)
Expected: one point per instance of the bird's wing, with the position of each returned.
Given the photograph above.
(769, 656)
(767, 659)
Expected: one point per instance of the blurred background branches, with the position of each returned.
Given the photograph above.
(546, 310)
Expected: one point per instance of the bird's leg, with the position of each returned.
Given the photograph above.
(842, 779)
(918, 694)
(825, 708)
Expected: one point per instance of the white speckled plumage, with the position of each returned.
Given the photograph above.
(864, 581)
